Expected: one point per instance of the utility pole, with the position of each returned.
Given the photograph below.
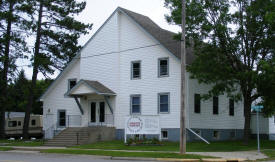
(183, 63)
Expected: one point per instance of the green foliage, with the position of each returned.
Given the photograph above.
(60, 31)
(234, 47)
(19, 92)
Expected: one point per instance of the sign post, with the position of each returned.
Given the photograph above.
(257, 109)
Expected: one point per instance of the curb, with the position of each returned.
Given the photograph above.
(197, 160)
(176, 160)
(133, 158)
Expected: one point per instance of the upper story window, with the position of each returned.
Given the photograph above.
(135, 70)
(163, 67)
(163, 99)
(71, 83)
(197, 103)
(231, 107)
(135, 104)
(215, 105)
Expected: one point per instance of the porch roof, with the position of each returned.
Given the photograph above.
(86, 87)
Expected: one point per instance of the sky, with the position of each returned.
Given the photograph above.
(97, 11)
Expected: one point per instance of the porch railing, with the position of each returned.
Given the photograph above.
(107, 120)
(73, 121)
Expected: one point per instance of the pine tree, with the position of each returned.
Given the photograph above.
(12, 43)
(56, 41)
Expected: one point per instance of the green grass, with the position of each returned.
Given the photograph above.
(22, 143)
(221, 146)
(5, 148)
(125, 154)
(270, 154)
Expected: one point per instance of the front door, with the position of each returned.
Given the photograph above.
(97, 112)
(61, 118)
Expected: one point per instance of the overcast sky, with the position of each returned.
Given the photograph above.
(97, 11)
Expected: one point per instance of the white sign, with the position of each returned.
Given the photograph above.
(148, 124)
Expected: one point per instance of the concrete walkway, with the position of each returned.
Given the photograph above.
(248, 155)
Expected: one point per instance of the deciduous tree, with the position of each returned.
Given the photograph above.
(234, 47)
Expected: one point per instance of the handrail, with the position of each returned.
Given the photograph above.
(198, 136)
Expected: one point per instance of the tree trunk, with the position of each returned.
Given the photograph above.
(247, 115)
(5, 72)
(34, 74)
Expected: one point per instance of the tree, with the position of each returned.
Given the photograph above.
(56, 41)
(19, 92)
(12, 46)
(233, 47)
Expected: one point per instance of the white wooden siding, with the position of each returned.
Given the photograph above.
(55, 99)
(102, 62)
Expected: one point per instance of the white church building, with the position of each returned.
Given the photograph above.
(131, 67)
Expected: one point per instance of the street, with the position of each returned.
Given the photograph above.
(21, 156)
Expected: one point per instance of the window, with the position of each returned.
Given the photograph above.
(231, 107)
(19, 123)
(71, 83)
(216, 134)
(135, 70)
(163, 99)
(164, 134)
(33, 122)
(163, 67)
(215, 105)
(135, 104)
(12, 123)
(197, 103)
(232, 134)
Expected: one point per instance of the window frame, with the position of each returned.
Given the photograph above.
(214, 105)
(131, 105)
(195, 104)
(163, 58)
(132, 70)
(164, 138)
(168, 110)
(218, 135)
(33, 122)
(69, 83)
(12, 125)
(231, 109)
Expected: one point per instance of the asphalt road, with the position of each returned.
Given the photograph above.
(40, 157)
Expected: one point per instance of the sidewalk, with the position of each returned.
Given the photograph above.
(247, 155)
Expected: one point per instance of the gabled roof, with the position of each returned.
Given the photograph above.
(165, 37)
(94, 85)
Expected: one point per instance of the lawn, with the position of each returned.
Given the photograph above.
(221, 146)
(270, 154)
(125, 154)
(22, 142)
(5, 148)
